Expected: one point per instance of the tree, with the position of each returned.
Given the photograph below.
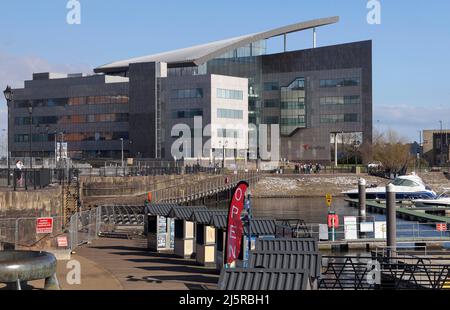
(392, 151)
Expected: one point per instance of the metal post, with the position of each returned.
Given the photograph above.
(335, 150)
(362, 203)
(391, 217)
(30, 138)
(362, 197)
(441, 158)
(121, 140)
(285, 42)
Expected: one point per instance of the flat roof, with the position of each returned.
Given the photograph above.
(200, 54)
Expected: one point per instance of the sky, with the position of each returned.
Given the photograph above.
(410, 47)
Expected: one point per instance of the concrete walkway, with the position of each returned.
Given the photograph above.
(93, 277)
(137, 269)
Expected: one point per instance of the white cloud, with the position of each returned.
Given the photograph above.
(409, 120)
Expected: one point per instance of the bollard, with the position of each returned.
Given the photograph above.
(362, 197)
(362, 203)
(391, 217)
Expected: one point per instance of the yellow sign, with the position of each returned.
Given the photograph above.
(329, 199)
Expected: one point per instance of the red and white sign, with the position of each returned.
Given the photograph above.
(44, 225)
(62, 241)
(235, 227)
(441, 227)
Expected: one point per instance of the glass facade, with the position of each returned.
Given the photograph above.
(343, 82)
(293, 111)
(340, 100)
(243, 62)
(230, 113)
(339, 118)
(190, 113)
(74, 137)
(271, 86)
(73, 119)
(272, 103)
(187, 93)
(74, 101)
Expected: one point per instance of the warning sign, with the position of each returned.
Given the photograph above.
(441, 227)
(62, 241)
(44, 225)
(329, 200)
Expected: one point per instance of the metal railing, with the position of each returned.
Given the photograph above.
(376, 272)
(195, 189)
(413, 231)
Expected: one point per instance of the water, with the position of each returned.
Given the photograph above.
(310, 209)
(313, 210)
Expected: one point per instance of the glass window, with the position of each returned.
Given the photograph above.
(272, 103)
(342, 82)
(230, 94)
(187, 113)
(230, 113)
(271, 86)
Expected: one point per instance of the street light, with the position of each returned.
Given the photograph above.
(442, 145)
(9, 97)
(121, 140)
(30, 138)
(224, 144)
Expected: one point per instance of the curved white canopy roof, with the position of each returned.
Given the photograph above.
(200, 54)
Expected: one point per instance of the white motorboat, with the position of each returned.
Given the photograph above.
(443, 200)
(407, 187)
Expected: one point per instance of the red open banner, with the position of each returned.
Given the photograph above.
(235, 227)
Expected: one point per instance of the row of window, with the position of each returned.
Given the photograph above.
(230, 94)
(353, 81)
(339, 118)
(293, 121)
(187, 113)
(73, 119)
(342, 100)
(293, 105)
(74, 137)
(229, 133)
(230, 113)
(73, 101)
(187, 93)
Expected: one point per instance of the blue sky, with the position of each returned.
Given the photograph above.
(410, 47)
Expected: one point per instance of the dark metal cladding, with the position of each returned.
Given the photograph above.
(219, 221)
(262, 227)
(288, 260)
(286, 245)
(162, 209)
(264, 279)
(184, 213)
(204, 217)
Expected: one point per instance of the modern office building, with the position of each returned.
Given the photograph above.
(315, 95)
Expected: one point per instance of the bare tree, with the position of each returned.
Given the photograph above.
(392, 151)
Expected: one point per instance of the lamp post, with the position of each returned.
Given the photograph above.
(30, 137)
(121, 140)
(9, 98)
(224, 144)
(441, 158)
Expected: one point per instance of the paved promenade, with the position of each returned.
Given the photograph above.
(128, 262)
